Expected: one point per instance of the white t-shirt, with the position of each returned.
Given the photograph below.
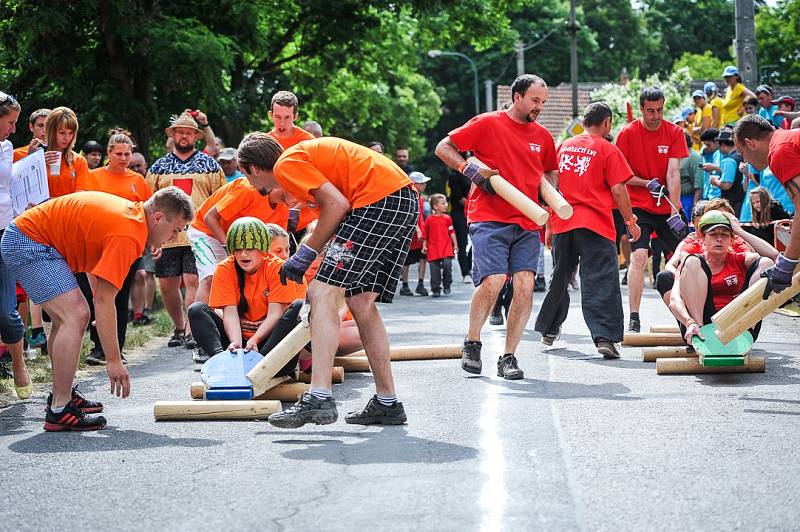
(6, 160)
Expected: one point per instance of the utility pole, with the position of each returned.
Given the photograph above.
(573, 67)
(520, 46)
(745, 42)
(487, 87)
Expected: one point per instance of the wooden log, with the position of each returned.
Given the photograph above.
(197, 410)
(674, 329)
(689, 366)
(652, 339)
(352, 364)
(337, 376)
(285, 392)
(198, 390)
(651, 355)
(555, 200)
(280, 355)
(515, 197)
(419, 352)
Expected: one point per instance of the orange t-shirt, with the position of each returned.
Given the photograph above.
(129, 185)
(298, 135)
(260, 289)
(363, 176)
(236, 200)
(65, 182)
(95, 232)
(20, 153)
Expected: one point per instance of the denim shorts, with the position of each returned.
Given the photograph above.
(499, 248)
(41, 270)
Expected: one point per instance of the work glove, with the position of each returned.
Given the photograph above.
(779, 277)
(656, 190)
(294, 218)
(676, 223)
(473, 172)
(294, 268)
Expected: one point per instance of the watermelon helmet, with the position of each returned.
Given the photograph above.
(248, 233)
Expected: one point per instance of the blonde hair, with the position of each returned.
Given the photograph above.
(62, 117)
(764, 216)
(436, 198)
(719, 204)
(118, 135)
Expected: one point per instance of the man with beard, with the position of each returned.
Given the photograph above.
(199, 175)
(504, 241)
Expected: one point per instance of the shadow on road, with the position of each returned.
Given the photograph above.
(110, 439)
(389, 446)
(537, 389)
(13, 418)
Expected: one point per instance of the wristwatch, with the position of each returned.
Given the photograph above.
(632, 221)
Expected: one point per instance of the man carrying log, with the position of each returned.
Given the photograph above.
(504, 240)
(591, 175)
(367, 212)
(763, 146)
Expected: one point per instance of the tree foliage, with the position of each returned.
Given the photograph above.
(778, 36)
(703, 66)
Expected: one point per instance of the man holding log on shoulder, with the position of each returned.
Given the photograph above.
(505, 241)
(653, 148)
(763, 146)
(592, 174)
(367, 212)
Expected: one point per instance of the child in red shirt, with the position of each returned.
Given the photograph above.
(439, 242)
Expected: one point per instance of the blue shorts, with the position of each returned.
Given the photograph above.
(500, 248)
(40, 269)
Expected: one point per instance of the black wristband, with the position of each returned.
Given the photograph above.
(203, 125)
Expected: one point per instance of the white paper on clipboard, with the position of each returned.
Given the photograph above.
(28, 182)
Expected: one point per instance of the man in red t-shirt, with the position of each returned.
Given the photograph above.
(591, 176)
(504, 241)
(762, 146)
(653, 148)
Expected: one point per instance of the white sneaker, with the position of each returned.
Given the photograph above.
(467, 279)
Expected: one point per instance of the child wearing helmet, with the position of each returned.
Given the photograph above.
(247, 297)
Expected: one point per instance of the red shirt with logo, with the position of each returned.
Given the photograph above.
(648, 153)
(729, 282)
(520, 152)
(784, 154)
(438, 228)
(588, 166)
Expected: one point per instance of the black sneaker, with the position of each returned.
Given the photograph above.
(377, 414)
(189, 341)
(406, 291)
(539, 285)
(81, 402)
(471, 356)
(447, 291)
(421, 290)
(71, 418)
(634, 325)
(436, 293)
(625, 279)
(199, 356)
(307, 409)
(96, 357)
(496, 318)
(507, 367)
(608, 349)
(178, 339)
(549, 338)
(142, 320)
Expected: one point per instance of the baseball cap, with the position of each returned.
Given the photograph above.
(710, 87)
(677, 119)
(686, 112)
(730, 70)
(713, 219)
(698, 94)
(227, 154)
(725, 135)
(784, 99)
(763, 88)
(418, 177)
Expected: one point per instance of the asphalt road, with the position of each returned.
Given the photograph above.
(579, 444)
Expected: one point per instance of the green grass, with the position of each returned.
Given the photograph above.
(136, 337)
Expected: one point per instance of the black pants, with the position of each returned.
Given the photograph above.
(462, 233)
(601, 300)
(441, 270)
(120, 302)
(209, 331)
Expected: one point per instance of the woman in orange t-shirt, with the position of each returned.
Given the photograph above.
(61, 130)
(115, 178)
(247, 289)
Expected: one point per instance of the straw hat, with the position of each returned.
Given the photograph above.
(184, 120)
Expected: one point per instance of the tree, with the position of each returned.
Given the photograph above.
(778, 37)
(701, 66)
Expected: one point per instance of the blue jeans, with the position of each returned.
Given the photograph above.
(11, 328)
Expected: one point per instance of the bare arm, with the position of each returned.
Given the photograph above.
(448, 152)
(212, 220)
(674, 180)
(552, 177)
(622, 200)
(105, 313)
(333, 207)
(232, 326)
(762, 247)
(274, 313)
(716, 119)
(793, 249)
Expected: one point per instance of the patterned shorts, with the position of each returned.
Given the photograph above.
(41, 270)
(208, 252)
(369, 248)
(176, 261)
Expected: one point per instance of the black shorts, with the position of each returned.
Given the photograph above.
(414, 256)
(619, 226)
(370, 246)
(176, 261)
(649, 222)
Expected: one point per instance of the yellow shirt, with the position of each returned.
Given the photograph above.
(699, 116)
(716, 101)
(732, 103)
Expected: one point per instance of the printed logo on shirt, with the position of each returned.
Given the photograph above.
(575, 159)
(266, 294)
(732, 280)
(536, 148)
(663, 150)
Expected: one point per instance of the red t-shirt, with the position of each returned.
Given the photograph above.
(520, 152)
(693, 244)
(784, 154)
(729, 282)
(648, 153)
(438, 229)
(416, 243)
(588, 166)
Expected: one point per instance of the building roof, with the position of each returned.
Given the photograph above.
(557, 112)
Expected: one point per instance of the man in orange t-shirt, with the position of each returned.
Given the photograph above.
(38, 136)
(95, 233)
(368, 211)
